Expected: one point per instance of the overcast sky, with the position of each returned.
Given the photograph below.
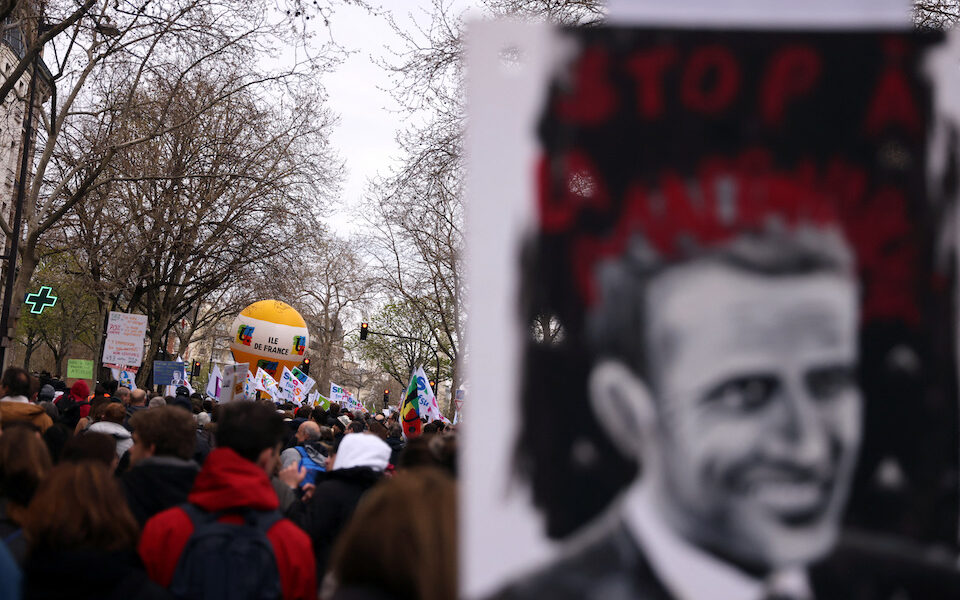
(357, 92)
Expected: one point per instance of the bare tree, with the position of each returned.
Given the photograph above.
(335, 285)
(150, 57)
(207, 203)
(416, 213)
(937, 13)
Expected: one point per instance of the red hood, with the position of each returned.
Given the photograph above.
(80, 390)
(228, 480)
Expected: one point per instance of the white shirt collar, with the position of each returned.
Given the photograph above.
(20, 399)
(687, 571)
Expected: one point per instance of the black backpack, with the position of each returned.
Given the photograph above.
(70, 415)
(228, 561)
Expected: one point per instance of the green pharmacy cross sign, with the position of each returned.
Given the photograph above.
(41, 300)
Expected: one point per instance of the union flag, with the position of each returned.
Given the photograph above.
(410, 411)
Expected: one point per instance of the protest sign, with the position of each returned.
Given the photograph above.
(695, 194)
(427, 399)
(267, 384)
(249, 386)
(307, 381)
(338, 394)
(234, 380)
(124, 342)
(125, 378)
(78, 368)
(321, 401)
(214, 382)
(169, 372)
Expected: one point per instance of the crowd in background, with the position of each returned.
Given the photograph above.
(131, 494)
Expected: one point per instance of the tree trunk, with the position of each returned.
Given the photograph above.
(27, 355)
(28, 264)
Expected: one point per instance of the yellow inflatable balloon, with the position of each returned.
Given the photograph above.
(271, 335)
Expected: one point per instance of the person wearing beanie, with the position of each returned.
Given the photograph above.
(46, 394)
(359, 464)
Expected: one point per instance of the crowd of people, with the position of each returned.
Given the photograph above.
(134, 495)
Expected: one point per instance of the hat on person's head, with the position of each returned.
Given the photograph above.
(344, 420)
(183, 390)
(46, 393)
(362, 450)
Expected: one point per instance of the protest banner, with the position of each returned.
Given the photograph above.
(410, 424)
(124, 342)
(267, 384)
(339, 394)
(169, 373)
(428, 400)
(215, 382)
(234, 380)
(321, 400)
(696, 193)
(78, 368)
(249, 387)
(307, 381)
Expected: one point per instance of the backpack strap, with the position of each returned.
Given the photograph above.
(197, 515)
(261, 519)
(301, 451)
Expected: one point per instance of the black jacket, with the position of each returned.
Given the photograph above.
(156, 484)
(613, 567)
(396, 446)
(88, 574)
(332, 505)
(205, 444)
(132, 410)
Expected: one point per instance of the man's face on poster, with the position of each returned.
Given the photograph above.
(758, 409)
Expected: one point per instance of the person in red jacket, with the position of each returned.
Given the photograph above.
(233, 482)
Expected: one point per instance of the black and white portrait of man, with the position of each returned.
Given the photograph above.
(732, 378)
(737, 378)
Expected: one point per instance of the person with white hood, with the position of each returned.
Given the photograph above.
(359, 464)
(112, 424)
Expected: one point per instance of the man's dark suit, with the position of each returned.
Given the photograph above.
(862, 568)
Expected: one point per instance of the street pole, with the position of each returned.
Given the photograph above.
(11, 257)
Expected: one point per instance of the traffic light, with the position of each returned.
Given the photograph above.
(433, 384)
(386, 397)
(363, 331)
(196, 369)
(305, 366)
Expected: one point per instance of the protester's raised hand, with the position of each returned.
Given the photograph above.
(292, 475)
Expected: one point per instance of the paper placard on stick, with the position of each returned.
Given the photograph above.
(124, 342)
(234, 379)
